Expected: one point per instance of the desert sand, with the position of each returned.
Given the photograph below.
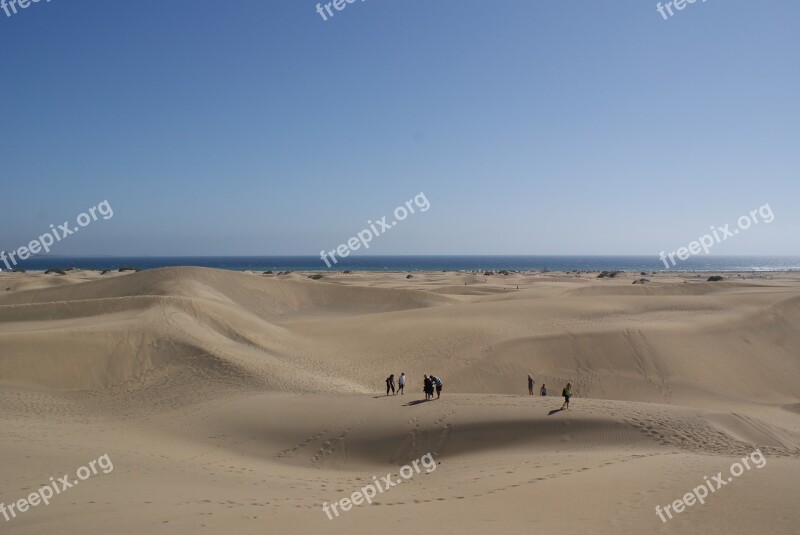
(235, 402)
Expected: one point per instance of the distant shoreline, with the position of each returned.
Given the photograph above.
(494, 272)
(419, 264)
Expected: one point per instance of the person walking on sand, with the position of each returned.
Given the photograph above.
(567, 393)
(544, 390)
(438, 383)
(401, 383)
(390, 384)
(530, 385)
(428, 388)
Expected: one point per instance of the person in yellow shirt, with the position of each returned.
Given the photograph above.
(567, 393)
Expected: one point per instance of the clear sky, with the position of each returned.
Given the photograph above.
(532, 127)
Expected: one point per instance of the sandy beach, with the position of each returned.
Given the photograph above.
(233, 402)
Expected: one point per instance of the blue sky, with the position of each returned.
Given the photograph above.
(256, 127)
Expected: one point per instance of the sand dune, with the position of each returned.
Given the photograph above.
(244, 401)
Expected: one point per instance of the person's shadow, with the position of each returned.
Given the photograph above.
(415, 402)
(552, 412)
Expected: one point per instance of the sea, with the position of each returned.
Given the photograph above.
(419, 263)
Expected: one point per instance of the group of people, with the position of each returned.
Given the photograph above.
(542, 391)
(401, 384)
(566, 393)
(430, 384)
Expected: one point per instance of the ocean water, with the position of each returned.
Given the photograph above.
(423, 263)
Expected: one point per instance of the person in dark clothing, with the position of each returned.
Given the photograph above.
(530, 385)
(390, 384)
(428, 388)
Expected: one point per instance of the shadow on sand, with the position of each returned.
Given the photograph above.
(415, 402)
(552, 412)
